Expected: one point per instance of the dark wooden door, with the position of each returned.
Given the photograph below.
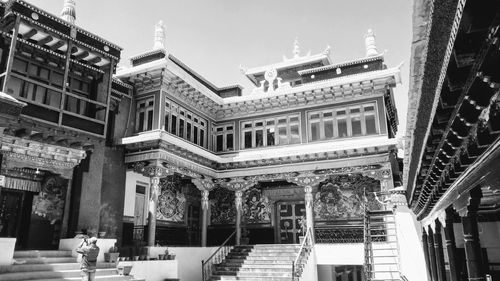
(11, 203)
(289, 215)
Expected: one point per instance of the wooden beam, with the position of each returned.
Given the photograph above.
(81, 56)
(30, 33)
(57, 45)
(45, 40)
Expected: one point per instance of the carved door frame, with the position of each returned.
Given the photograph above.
(294, 227)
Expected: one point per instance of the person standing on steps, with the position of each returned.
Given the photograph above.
(89, 250)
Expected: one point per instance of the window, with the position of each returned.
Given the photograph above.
(184, 124)
(223, 137)
(352, 121)
(272, 131)
(144, 112)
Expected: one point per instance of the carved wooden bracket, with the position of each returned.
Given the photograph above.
(152, 169)
(468, 202)
(307, 179)
(236, 184)
(206, 184)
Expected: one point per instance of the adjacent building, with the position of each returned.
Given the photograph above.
(60, 116)
(452, 145)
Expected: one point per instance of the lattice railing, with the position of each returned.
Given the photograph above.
(331, 234)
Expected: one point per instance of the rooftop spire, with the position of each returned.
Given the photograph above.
(160, 35)
(68, 12)
(370, 44)
(296, 48)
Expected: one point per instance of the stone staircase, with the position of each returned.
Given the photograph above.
(257, 262)
(53, 266)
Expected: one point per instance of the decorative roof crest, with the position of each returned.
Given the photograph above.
(160, 35)
(69, 12)
(370, 44)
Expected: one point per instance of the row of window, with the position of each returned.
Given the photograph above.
(185, 124)
(50, 74)
(342, 122)
(352, 121)
(271, 131)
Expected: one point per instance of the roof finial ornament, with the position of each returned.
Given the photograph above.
(296, 48)
(69, 12)
(370, 44)
(160, 35)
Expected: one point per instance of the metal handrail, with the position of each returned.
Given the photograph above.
(215, 258)
(305, 246)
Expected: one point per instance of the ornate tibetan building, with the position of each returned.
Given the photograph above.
(306, 144)
(58, 107)
(452, 147)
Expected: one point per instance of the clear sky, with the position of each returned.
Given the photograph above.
(214, 37)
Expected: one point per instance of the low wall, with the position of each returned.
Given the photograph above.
(411, 254)
(70, 244)
(188, 258)
(7, 246)
(310, 272)
(340, 254)
(153, 270)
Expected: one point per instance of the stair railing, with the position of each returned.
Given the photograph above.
(304, 250)
(216, 258)
(367, 240)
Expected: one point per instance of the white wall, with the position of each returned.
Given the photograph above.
(188, 259)
(132, 180)
(7, 253)
(153, 270)
(351, 254)
(412, 261)
(310, 272)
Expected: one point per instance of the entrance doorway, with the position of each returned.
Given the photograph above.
(15, 211)
(289, 216)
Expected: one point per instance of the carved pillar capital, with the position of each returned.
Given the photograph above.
(236, 184)
(206, 184)
(307, 179)
(152, 169)
(468, 202)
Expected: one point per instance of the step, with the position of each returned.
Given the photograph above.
(271, 258)
(37, 254)
(34, 275)
(47, 260)
(48, 267)
(255, 278)
(100, 278)
(287, 273)
(266, 269)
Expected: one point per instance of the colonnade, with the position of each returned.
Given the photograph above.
(432, 241)
(155, 170)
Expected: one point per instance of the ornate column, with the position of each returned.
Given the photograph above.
(238, 185)
(432, 254)
(449, 236)
(438, 247)
(155, 171)
(308, 181)
(238, 202)
(467, 206)
(205, 186)
(426, 251)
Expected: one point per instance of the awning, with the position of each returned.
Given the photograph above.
(22, 184)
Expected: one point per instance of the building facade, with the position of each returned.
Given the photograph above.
(59, 117)
(305, 145)
(452, 156)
